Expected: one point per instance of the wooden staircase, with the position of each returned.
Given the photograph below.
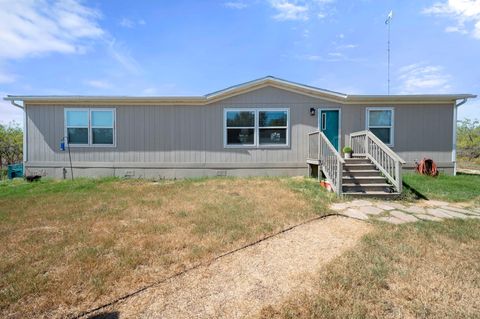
(362, 178)
(375, 170)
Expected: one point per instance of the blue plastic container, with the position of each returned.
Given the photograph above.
(15, 170)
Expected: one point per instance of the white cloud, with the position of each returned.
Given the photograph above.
(99, 84)
(30, 28)
(9, 112)
(130, 24)
(127, 23)
(455, 29)
(329, 57)
(336, 54)
(347, 46)
(6, 77)
(36, 28)
(289, 10)
(466, 14)
(120, 53)
(422, 78)
(299, 10)
(236, 5)
(311, 57)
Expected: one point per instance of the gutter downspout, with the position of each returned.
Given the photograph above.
(25, 154)
(454, 142)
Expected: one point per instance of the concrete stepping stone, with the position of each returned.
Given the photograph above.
(415, 209)
(454, 214)
(459, 205)
(371, 210)
(340, 206)
(354, 213)
(428, 217)
(384, 206)
(456, 209)
(359, 203)
(433, 203)
(438, 212)
(397, 205)
(403, 216)
(392, 220)
(474, 213)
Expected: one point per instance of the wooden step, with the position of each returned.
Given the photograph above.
(381, 195)
(364, 173)
(359, 167)
(381, 187)
(357, 161)
(377, 179)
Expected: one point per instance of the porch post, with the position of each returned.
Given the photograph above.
(339, 177)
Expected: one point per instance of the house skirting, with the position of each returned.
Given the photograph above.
(60, 170)
(447, 168)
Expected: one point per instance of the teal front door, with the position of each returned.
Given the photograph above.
(329, 124)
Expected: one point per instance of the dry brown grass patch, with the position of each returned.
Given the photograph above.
(421, 270)
(69, 246)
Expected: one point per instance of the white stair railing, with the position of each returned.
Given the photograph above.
(365, 143)
(330, 161)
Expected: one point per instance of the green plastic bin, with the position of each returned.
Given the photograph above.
(15, 170)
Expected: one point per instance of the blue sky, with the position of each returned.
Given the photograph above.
(196, 47)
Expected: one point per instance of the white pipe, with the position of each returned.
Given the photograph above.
(454, 138)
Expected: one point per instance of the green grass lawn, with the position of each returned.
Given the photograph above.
(460, 188)
(418, 270)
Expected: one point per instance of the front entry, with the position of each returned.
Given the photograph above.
(329, 124)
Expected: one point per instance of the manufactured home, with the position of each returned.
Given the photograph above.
(267, 126)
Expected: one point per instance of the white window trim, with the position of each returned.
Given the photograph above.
(391, 127)
(90, 127)
(256, 143)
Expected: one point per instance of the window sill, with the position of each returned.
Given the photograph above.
(256, 147)
(90, 146)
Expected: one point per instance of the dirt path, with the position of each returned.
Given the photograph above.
(240, 284)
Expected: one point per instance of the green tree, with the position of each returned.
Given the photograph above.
(11, 144)
(468, 139)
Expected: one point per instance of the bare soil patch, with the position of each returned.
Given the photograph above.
(240, 284)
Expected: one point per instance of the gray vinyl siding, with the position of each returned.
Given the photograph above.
(419, 130)
(192, 136)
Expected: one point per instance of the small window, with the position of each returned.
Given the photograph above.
(380, 123)
(240, 128)
(256, 127)
(90, 127)
(77, 127)
(102, 127)
(272, 127)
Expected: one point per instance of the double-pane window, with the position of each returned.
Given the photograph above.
(256, 127)
(380, 123)
(90, 127)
